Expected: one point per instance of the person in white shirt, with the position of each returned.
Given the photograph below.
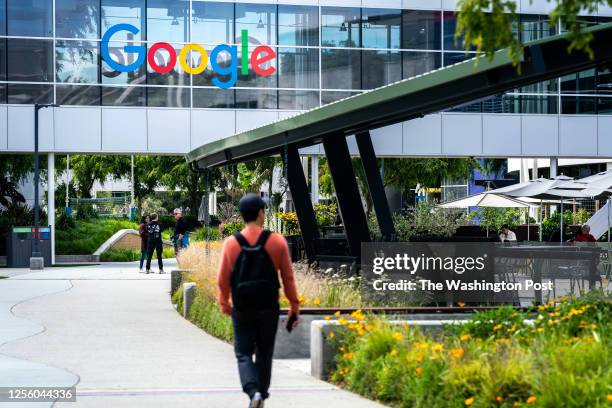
(505, 235)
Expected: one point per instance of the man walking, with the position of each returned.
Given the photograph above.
(250, 265)
(181, 239)
(155, 243)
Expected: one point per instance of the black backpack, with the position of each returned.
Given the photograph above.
(254, 278)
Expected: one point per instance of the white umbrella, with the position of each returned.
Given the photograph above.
(532, 188)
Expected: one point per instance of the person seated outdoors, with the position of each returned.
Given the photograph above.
(585, 235)
(555, 235)
(505, 235)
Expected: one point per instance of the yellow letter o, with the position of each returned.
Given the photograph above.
(183, 59)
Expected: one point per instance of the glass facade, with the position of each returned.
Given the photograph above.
(50, 52)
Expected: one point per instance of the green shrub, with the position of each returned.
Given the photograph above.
(325, 214)
(86, 213)
(206, 234)
(65, 221)
(231, 227)
(87, 236)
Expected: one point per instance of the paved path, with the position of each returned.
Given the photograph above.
(114, 333)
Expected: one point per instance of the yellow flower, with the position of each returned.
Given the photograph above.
(393, 353)
(540, 329)
(497, 327)
(457, 352)
(461, 304)
(337, 313)
(419, 358)
(515, 405)
(469, 401)
(342, 321)
(327, 317)
(499, 399)
(423, 345)
(531, 400)
(348, 356)
(609, 397)
(437, 347)
(316, 301)
(332, 335)
(465, 337)
(512, 329)
(419, 371)
(398, 336)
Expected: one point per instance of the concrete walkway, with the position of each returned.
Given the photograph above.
(114, 333)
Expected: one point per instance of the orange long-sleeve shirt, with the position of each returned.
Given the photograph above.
(277, 248)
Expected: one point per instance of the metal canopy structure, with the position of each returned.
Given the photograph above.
(416, 97)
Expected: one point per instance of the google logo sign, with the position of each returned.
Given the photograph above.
(259, 57)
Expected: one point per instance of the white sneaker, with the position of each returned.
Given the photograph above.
(257, 401)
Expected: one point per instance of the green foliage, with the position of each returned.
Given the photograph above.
(493, 218)
(581, 216)
(325, 214)
(65, 222)
(489, 25)
(554, 221)
(86, 213)
(130, 255)
(87, 236)
(498, 359)
(427, 220)
(406, 173)
(206, 234)
(230, 228)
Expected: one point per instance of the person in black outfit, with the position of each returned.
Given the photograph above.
(155, 243)
(144, 240)
(180, 231)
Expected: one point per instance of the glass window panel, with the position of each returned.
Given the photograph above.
(298, 100)
(341, 69)
(549, 86)
(30, 18)
(3, 62)
(30, 60)
(76, 61)
(124, 11)
(3, 24)
(451, 58)
(88, 95)
(117, 52)
(380, 68)
(259, 20)
(205, 78)
(123, 96)
(256, 99)
(580, 82)
(30, 93)
(77, 18)
(298, 25)
(380, 28)
(252, 79)
(3, 93)
(213, 98)
(298, 68)
(604, 81)
(604, 106)
(333, 96)
(450, 25)
(578, 105)
(213, 23)
(171, 97)
(539, 104)
(175, 77)
(535, 27)
(340, 26)
(168, 20)
(417, 63)
(421, 30)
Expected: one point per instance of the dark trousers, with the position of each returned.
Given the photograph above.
(143, 257)
(158, 247)
(254, 333)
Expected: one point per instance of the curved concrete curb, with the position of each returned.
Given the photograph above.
(117, 236)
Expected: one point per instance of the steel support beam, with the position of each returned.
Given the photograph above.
(376, 186)
(347, 192)
(301, 200)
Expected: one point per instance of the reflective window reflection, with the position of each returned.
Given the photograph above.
(124, 96)
(298, 100)
(535, 27)
(30, 93)
(333, 96)
(175, 77)
(3, 29)
(421, 30)
(298, 68)
(341, 69)
(298, 25)
(3, 61)
(117, 52)
(380, 68)
(417, 63)
(124, 11)
(213, 98)
(252, 79)
(572, 105)
(380, 28)
(87, 95)
(77, 19)
(340, 26)
(30, 60)
(76, 61)
(168, 20)
(33, 18)
(171, 97)
(212, 23)
(256, 99)
(259, 19)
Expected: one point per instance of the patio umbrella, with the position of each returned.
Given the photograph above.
(488, 199)
(532, 188)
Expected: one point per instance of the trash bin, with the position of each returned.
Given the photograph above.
(19, 244)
